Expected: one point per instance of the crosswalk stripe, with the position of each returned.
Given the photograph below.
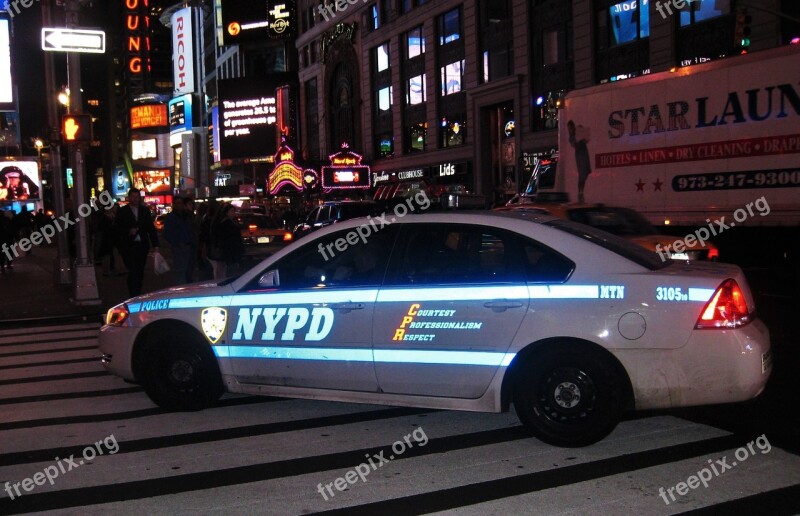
(61, 396)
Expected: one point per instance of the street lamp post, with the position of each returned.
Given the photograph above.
(63, 267)
(85, 291)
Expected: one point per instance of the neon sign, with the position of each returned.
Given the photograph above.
(285, 173)
(137, 24)
(345, 171)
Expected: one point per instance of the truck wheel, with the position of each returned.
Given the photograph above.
(569, 396)
(181, 373)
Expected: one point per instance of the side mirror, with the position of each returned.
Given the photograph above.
(270, 278)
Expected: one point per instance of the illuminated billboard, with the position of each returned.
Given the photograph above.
(345, 171)
(183, 51)
(180, 118)
(6, 87)
(19, 180)
(248, 115)
(144, 149)
(149, 115)
(152, 182)
(243, 21)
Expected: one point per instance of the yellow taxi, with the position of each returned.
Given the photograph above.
(625, 223)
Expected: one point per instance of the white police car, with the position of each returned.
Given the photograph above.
(468, 311)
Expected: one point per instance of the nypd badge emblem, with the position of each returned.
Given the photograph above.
(213, 321)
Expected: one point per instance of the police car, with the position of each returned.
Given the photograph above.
(468, 311)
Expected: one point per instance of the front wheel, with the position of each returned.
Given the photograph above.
(569, 396)
(181, 374)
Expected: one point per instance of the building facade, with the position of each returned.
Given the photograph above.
(464, 94)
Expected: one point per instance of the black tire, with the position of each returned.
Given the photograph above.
(569, 395)
(181, 373)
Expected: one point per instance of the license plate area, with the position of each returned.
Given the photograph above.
(766, 361)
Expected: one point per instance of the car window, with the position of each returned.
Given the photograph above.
(260, 221)
(340, 259)
(449, 253)
(544, 265)
(312, 216)
(351, 211)
(324, 214)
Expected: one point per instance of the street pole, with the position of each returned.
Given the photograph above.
(63, 272)
(84, 285)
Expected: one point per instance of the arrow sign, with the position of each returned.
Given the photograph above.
(74, 40)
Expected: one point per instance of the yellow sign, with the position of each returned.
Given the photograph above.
(285, 174)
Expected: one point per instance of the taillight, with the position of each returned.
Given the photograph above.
(252, 227)
(727, 308)
(713, 254)
(118, 315)
(287, 237)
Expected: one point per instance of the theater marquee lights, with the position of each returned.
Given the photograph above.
(285, 173)
(137, 24)
(345, 171)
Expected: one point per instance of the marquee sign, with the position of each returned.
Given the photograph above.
(285, 173)
(345, 171)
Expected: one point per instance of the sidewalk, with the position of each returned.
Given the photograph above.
(30, 292)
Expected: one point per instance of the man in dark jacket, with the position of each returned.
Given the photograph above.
(137, 234)
(179, 232)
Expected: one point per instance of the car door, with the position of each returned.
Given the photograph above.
(452, 302)
(308, 321)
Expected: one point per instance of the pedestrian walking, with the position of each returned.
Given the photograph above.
(227, 246)
(107, 236)
(137, 234)
(179, 233)
(206, 212)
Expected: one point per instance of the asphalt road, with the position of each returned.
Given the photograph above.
(108, 449)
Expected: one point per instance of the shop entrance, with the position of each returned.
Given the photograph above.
(499, 152)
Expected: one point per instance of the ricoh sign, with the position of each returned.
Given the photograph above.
(183, 51)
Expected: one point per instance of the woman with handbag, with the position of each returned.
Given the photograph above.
(226, 247)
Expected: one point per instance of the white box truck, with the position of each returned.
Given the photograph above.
(687, 146)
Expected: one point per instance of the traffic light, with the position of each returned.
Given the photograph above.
(76, 128)
(741, 35)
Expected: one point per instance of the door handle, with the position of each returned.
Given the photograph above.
(502, 305)
(348, 307)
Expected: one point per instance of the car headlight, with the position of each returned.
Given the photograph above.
(117, 315)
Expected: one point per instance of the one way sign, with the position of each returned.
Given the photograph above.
(74, 40)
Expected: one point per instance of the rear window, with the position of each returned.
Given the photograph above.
(613, 243)
(260, 221)
(352, 211)
(619, 221)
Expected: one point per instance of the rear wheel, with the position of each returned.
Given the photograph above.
(181, 373)
(569, 396)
